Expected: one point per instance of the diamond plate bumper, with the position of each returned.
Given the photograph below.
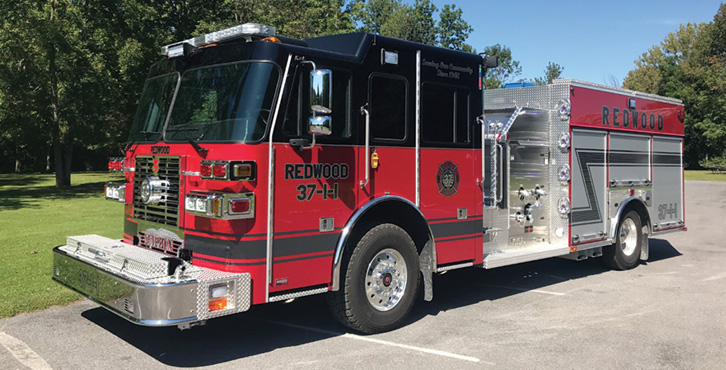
(133, 282)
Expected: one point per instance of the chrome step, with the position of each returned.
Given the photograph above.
(525, 254)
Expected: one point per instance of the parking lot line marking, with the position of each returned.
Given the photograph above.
(380, 341)
(715, 277)
(22, 352)
(522, 289)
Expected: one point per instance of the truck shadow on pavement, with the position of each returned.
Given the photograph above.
(270, 327)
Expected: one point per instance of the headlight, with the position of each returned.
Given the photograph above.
(115, 191)
(190, 204)
(563, 173)
(152, 189)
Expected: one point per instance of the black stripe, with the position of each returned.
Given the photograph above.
(455, 228)
(462, 238)
(131, 228)
(615, 158)
(224, 234)
(454, 218)
(255, 249)
(667, 159)
(230, 263)
(304, 244)
(307, 257)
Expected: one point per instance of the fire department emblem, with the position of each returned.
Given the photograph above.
(447, 179)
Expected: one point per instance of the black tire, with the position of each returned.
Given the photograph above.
(351, 304)
(620, 256)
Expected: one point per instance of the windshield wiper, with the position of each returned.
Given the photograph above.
(197, 147)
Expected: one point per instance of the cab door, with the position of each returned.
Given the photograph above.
(451, 197)
(390, 156)
(315, 188)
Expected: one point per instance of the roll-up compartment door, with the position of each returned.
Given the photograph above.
(588, 184)
(667, 208)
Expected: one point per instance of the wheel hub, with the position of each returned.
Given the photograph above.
(628, 236)
(385, 280)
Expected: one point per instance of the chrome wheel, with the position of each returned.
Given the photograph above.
(385, 280)
(628, 236)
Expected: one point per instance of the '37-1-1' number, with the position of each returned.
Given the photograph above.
(308, 191)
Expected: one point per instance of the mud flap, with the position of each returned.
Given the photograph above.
(427, 263)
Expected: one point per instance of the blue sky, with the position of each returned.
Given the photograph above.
(591, 39)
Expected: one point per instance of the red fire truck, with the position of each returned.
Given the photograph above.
(262, 168)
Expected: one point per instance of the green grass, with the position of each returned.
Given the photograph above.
(705, 176)
(34, 218)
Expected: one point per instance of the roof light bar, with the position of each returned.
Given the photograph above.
(247, 31)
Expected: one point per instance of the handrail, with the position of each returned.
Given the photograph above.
(364, 111)
(500, 192)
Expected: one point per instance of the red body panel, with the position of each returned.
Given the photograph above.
(589, 104)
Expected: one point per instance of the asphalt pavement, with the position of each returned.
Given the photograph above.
(668, 313)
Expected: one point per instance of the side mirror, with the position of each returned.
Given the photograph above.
(491, 61)
(321, 125)
(321, 91)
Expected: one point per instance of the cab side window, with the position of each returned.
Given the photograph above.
(388, 97)
(298, 111)
(444, 114)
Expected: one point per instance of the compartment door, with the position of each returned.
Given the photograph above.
(667, 212)
(588, 185)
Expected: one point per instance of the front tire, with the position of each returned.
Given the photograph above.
(625, 253)
(380, 281)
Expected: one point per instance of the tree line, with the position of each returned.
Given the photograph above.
(690, 64)
(73, 70)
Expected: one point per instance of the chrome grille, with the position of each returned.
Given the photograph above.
(167, 211)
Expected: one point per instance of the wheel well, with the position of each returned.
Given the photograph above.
(402, 215)
(639, 207)
(389, 209)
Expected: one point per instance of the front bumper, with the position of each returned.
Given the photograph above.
(135, 284)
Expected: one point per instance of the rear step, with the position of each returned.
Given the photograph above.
(524, 254)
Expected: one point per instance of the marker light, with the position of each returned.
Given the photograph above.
(205, 170)
(564, 141)
(218, 297)
(219, 170)
(243, 171)
(564, 206)
(237, 206)
(565, 109)
(563, 173)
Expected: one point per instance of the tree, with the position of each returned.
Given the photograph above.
(687, 65)
(416, 22)
(453, 30)
(552, 72)
(507, 70)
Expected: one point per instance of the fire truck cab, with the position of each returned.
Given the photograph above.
(262, 169)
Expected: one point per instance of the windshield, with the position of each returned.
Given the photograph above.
(153, 107)
(229, 102)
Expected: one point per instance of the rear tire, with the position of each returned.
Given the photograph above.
(625, 253)
(379, 281)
